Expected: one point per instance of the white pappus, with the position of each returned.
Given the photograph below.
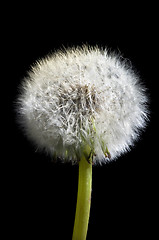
(80, 96)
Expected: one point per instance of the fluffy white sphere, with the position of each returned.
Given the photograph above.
(82, 96)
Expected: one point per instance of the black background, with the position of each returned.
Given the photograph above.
(40, 196)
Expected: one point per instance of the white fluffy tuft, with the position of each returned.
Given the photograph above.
(83, 96)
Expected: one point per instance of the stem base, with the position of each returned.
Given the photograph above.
(83, 199)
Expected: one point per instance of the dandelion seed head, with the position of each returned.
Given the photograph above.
(83, 96)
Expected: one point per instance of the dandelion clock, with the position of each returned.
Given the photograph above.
(85, 106)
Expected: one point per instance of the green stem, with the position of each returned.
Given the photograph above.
(83, 199)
